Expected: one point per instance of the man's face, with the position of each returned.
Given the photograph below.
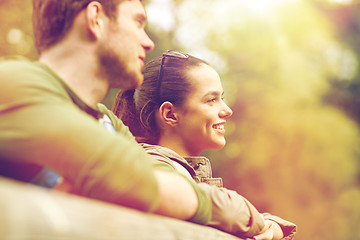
(123, 48)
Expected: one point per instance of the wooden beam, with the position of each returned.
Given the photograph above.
(29, 212)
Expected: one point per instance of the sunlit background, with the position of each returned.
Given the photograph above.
(290, 69)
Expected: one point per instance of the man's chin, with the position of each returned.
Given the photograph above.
(135, 84)
(139, 81)
(130, 82)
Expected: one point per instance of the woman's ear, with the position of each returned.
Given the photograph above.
(95, 19)
(168, 114)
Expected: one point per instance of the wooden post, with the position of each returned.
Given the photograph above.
(28, 212)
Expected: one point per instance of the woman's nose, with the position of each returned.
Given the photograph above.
(225, 112)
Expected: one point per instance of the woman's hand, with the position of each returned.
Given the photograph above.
(271, 231)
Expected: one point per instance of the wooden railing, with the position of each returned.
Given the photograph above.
(32, 213)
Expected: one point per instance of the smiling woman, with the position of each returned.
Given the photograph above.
(178, 113)
(165, 80)
(198, 124)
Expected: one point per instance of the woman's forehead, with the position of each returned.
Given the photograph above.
(204, 79)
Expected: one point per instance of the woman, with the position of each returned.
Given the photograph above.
(179, 112)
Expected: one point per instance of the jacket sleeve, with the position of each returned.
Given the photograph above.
(40, 125)
(288, 228)
(232, 213)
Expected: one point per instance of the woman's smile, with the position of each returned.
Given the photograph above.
(219, 127)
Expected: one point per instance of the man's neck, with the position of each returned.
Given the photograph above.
(78, 69)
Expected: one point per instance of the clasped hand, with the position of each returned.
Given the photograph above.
(271, 231)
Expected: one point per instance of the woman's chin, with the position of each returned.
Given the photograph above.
(218, 144)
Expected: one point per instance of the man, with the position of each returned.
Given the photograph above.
(49, 112)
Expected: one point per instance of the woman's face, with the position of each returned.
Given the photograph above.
(203, 115)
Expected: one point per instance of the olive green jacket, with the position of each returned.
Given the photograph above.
(44, 123)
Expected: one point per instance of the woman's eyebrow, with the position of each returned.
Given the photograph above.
(213, 93)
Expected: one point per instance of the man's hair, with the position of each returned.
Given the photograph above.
(52, 19)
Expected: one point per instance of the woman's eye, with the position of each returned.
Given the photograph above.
(212, 100)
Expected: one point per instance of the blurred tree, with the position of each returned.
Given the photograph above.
(287, 151)
(345, 92)
(16, 29)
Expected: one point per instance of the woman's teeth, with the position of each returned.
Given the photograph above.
(219, 126)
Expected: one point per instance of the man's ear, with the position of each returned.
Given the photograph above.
(95, 19)
(168, 114)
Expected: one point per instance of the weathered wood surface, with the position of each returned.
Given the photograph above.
(31, 213)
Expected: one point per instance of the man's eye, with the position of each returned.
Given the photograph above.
(140, 21)
(139, 24)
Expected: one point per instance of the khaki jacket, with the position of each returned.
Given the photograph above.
(232, 213)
